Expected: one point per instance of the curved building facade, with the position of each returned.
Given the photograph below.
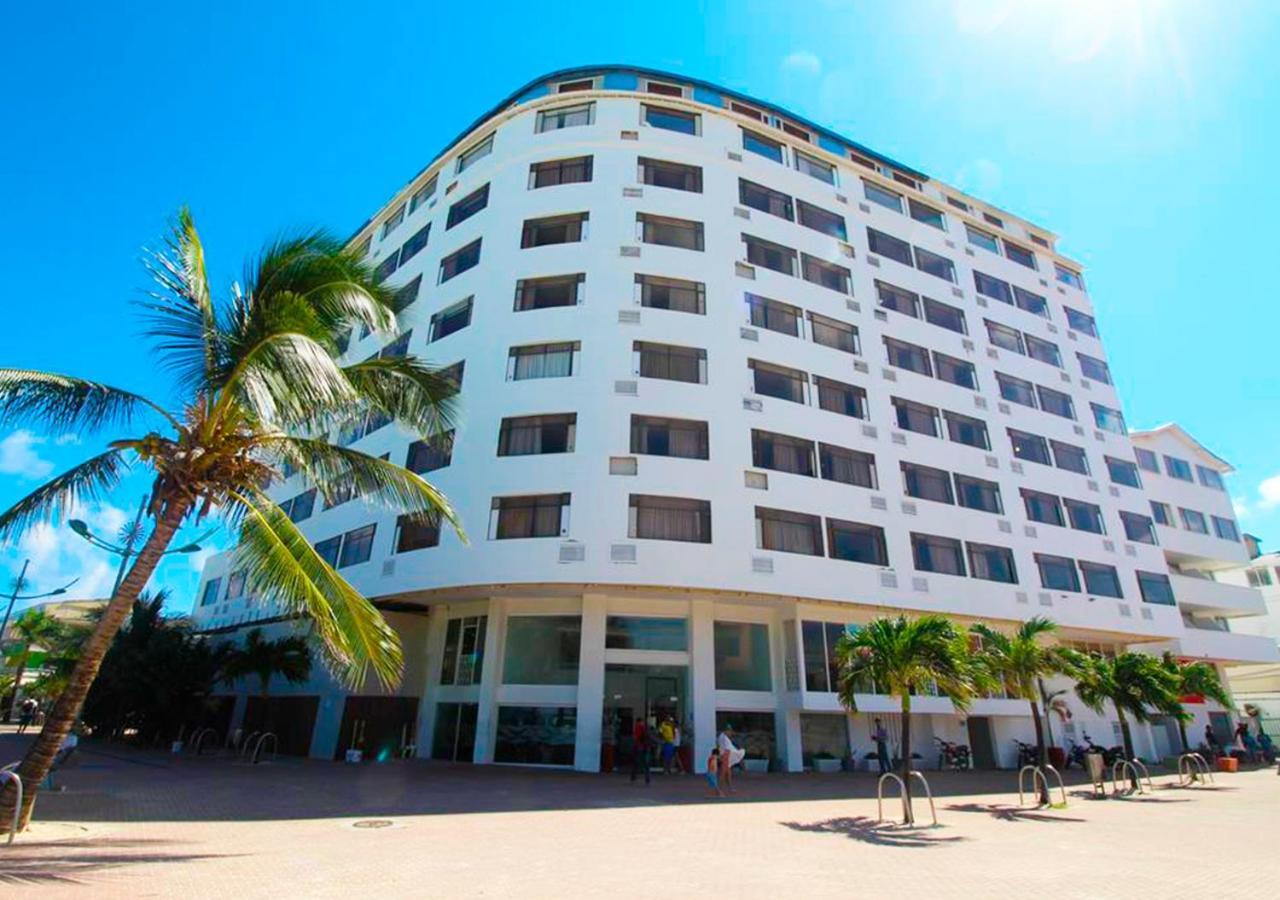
(729, 383)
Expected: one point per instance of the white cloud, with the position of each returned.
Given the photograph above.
(58, 555)
(1269, 492)
(63, 440)
(1241, 507)
(802, 62)
(18, 456)
(980, 177)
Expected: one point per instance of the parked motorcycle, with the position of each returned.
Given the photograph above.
(1028, 754)
(1075, 756)
(952, 756)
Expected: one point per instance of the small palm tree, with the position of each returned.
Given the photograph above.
(258, 387)
(1137, 686)
(35, 628)
(288, 656)
(1020, 661)
(900, 656)
(1194, 678)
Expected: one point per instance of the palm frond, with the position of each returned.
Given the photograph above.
(280, 563)
(65, 404)
(416, 394)
(89, 481)
(287, 380)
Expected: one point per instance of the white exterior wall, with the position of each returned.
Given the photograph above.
(723, 579)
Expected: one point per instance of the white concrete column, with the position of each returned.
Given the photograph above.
(490, 678)
(702, 679)
(437, 624)
(786, 724)
(586, 755)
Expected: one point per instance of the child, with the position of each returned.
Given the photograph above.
(713, 765)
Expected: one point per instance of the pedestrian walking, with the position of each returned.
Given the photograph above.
(640, 749)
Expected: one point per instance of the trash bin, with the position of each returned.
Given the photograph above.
(1095, 766)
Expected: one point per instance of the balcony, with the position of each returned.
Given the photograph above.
(1220, 646)
(1215, 598)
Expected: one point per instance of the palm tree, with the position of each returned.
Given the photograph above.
(1136, 685)
(258, 389)
(34, 628)
(1194, 678)
(899, 656)
(288, 657)
(1020, 661)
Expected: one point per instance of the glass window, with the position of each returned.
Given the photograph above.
(1193, 520)
(646, 633)
(656, 436)
(955, 371)
(1070, 457)
(822, 220)
(770, 255)
(1057, 573)
(821, 673)
(235, 585)
(833, 333)
(782, 453)
(1032, 303)
(1021, 255)
(908, 356)
(1147, 460)
(667, 90)
(536, 735)
(463, 661)
(937, 554)
(549, 292)
(566, 117)
(328, 550)
(583, 84)
(847, 466)
(1177, 468)
(1138, 527)
(814, 167)
(742, 656)
(424, 193)
(385, 268)
(474, 154)
(778, 381)
(1084, 516)
(1056, 402)
(1016, 390)
(922, 212)
(1043, 508)
(1030, 447)
(927, 483)
(450, 319)
(1155, 588)
(1210, 478)
(1081, 322)
(984, 239)
(532, 516)
(1161, 513)
(560, 171)
(666, 174)
(675, 294)
(883, 196)
(670, 519)
(357, 546)
(829, 275)
(541, 361)
(1123, 472)
(542, 650)
(669, 119)
(992, 563)
(967, 430)
(944, 316)
(553, 230)
(838, 397)
(1094, 368)
(670, 232)
(460, 261)
(788, 532)
(1225, 529)
(1004, 337)
(764, 146)
(529, 435)
(393, 221)
(1068, 276)
(670, 362)
(416, 533)
(210, 595)
(978, 493)
(773, 315)
(764, 199)
(856, 542)
(935, 265)
(1101, 580)
(916, 417)
(414, 245)
(898, 299)
(300, 507)
(889, 246)
(991, 287)
(1108, 419)
(1044, 351)
(431, 454)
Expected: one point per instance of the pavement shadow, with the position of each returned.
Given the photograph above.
(1006, 813)
(78, 861)
(871, 831)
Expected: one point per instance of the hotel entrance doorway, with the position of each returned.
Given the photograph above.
(652, 694)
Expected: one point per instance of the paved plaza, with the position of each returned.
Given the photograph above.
(150, 825)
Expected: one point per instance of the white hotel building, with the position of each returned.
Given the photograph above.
(729, 383)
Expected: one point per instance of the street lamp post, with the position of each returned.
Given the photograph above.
(129, 537)
(19, 583)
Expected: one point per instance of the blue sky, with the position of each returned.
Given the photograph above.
(1144, 133)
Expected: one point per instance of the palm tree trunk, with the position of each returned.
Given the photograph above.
(1044, 704)
(1182, 733)
(908, 815)
(1127, 738)
(39, 758)
(1042, 754)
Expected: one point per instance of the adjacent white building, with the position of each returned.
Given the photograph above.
(731, 383)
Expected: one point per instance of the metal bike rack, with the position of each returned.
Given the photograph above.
(1192, 767)
(257, 747)
(244, 745)
(198, 739)
(1143, 772)
(1121, 766)
(880, 795)
(1039, 774)
(9, 775)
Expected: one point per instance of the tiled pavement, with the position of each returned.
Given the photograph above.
(151, 825)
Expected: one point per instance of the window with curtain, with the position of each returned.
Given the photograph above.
(992, 563)
(770, 255)
(847, 466)
(1057, 573)
(428, 455)
(416, 533)
(542, 361)
(1138, 527)
(822, 220)
(1084, 516)
(553, 172)
(773, 315)
(658, 436)
(548, 292)
(955, 371)
(944, 316)
(917, 417)
(1101, 580)
(827, 274)
(937, 554)
(927, 483)
(782, 453)
(978, 493)
(967, 430)
(675, 294)
(534, 516)
(898, 299)
(1043, 508)
(778, 381)
(670, 232)
(467, 207)
(671, 362)
(856, 542)
(566, 229)
(670, 518)
(565, 117)
(788, 532)
(765, 200)
(666, 174)
(1055, 402)
(833, 333)
(1016, 390)
(526, 435)
(908, 356)
(1070, 457)
(1044, 351)
(838, 397)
